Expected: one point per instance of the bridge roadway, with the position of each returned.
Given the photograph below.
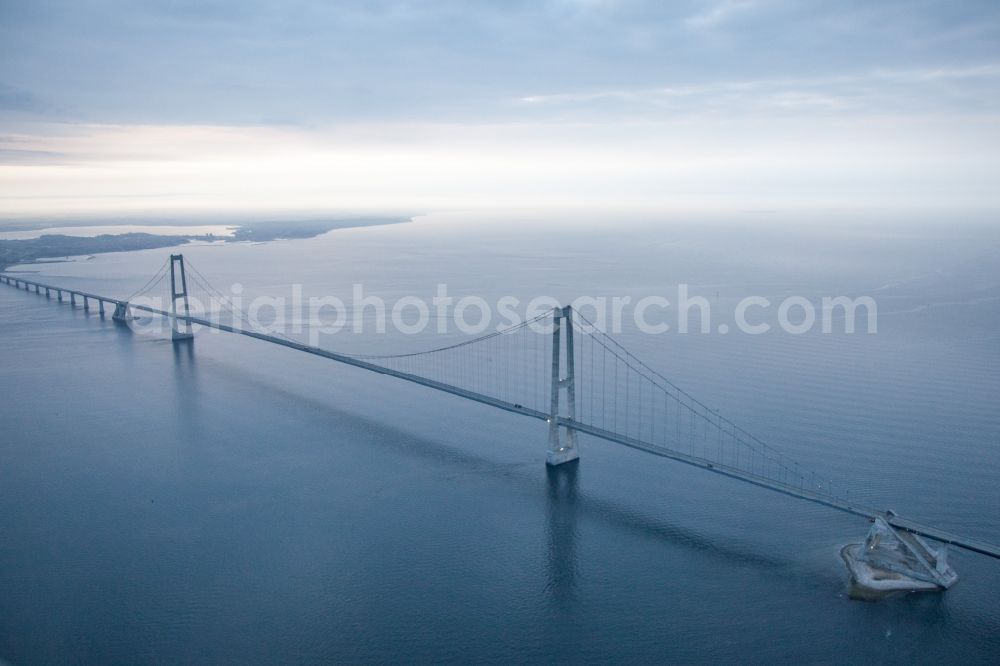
(974, 545)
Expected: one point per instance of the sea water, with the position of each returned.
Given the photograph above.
(230, 500)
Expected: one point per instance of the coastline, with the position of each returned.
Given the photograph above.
(52, 247)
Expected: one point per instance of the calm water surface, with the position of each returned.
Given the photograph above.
(235, 501)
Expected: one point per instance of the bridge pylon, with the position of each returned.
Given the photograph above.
(179, 330)
(562, 440)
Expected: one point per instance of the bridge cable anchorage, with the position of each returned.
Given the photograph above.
(657, 417)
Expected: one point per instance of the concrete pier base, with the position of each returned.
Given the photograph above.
(122, 313)
(562, 455)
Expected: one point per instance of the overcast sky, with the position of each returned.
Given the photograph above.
(222, 105)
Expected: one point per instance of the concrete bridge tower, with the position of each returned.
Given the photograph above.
(562, 440)
(180, 330)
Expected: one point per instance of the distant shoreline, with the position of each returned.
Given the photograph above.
(52, 247)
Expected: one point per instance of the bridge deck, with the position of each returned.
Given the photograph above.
(974, 545)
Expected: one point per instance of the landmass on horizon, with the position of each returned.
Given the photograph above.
(52, 246)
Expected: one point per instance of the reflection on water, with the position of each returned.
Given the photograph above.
(561, 508)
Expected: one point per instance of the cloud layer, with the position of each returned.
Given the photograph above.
(633, 100)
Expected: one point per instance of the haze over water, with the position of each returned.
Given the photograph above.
(230, 500)
(233, 500)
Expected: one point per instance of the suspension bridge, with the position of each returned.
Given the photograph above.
(561, 369)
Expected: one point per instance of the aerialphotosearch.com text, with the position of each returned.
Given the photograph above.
(654, 314)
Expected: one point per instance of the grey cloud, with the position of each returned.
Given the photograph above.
(16, 99)
(30, 157)
(973, 89)
(317, 62)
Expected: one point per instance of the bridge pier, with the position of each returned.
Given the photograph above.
(48, 294)
(59, 294)
(100, 307)
(562, 440)
(122, 313)
(86, 304)
(72, 298)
